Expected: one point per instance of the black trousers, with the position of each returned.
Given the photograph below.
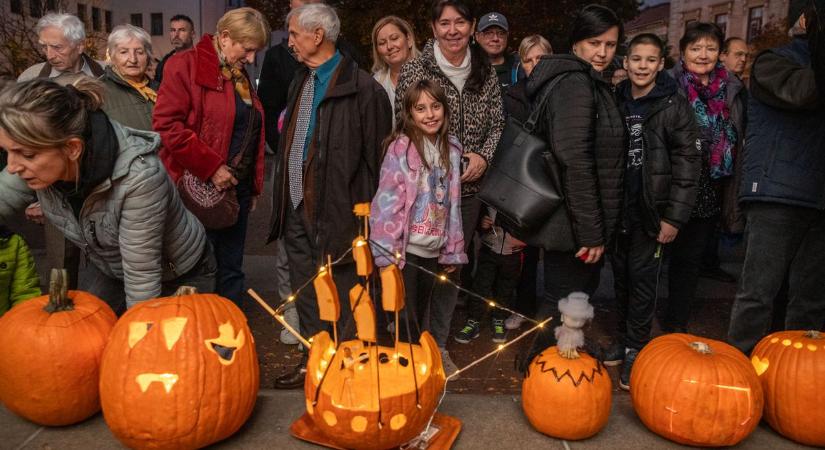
(683, 270)
(496, 277)
(563, 274)
(420, 301)
(635, 271)
(304, 260)
(781, 239)
(526, 298)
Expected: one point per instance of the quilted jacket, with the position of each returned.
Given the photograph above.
(397, 190)
(132, 226)
(476, 117)
(18, 276)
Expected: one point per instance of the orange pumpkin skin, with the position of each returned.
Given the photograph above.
(164, 383)
(791, 366)
(51, 361)
(352, 421)
(566, 398)
(694, 398)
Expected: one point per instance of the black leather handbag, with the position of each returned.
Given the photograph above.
(523, 182)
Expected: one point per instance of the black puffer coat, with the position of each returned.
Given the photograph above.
(672, 154)
(587, 136)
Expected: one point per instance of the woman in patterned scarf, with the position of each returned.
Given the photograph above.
(717, 97)
(130, 93)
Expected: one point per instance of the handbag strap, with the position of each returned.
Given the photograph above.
(246, 137)
(530, 125)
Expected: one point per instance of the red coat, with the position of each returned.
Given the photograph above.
(195, 114)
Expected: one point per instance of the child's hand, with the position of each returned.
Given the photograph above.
(667, 233)
(486, 222)
(517, 244)
(35, 213)
(449, 269)
(590, 255)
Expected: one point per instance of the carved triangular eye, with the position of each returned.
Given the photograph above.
(172, 329)
(137, 331)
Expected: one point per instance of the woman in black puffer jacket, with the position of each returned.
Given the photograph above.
(586, 131)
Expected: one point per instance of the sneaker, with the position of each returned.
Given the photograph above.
(499, 333)
(291, 317)
(447, 363)
(514, 322)
(614, 355)
(627, 368)
(469, 332)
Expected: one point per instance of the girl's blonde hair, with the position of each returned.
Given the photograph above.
(43, 114)
(378, 63)
(532, 41)
(245, 25)
(406, 124)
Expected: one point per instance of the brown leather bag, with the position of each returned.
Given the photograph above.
(215, 209)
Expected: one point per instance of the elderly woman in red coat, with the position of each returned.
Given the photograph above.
(210, 123)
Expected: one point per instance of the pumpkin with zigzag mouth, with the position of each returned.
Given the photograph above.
(566, 398)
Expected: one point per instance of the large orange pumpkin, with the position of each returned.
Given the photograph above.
(567, 398)
(52, 347)
(372, 397)
(179, 372)
(696, 391)
(791, 366)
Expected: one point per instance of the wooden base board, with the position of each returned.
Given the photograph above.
(449, 428)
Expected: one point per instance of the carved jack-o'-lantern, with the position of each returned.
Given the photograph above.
(791, 366)
(372, 397)
(52, 347)
(578, 389)
(179, 372)
(696, 391)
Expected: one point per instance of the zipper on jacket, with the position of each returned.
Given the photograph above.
(93, 232)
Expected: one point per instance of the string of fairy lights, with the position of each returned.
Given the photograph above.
(277, 313)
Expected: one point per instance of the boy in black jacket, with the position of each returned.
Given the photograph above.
(663, 164)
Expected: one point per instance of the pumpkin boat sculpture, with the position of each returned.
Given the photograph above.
(363, 395)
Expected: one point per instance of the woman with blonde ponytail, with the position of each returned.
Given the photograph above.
(104, 187)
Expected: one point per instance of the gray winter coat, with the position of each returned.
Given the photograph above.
(132, 227)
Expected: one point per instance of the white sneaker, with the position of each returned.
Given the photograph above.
(514, 322)
(291, 317)
(447, 363)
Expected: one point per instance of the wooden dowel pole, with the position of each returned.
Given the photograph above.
(279, 318)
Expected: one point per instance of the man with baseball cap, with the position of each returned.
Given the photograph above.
(492, 34)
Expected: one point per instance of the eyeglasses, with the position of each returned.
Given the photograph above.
(495, 33)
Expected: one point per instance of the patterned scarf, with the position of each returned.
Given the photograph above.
(713, 116)
(234, 74)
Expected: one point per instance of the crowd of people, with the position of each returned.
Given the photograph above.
(147, 180)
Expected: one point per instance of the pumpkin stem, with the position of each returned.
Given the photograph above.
(701, 347)
(813, 334)
(59, 292)
(185, 290)
(570, 353)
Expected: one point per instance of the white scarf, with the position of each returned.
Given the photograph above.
(457, 74)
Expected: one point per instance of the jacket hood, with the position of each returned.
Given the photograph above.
(665, 87)
(550, 67)
(133, 144)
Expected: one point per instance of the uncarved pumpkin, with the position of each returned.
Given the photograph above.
(179, 372)
(791, 366)
(372, 397)
(696, 391)
(567, 398)
(52, 346)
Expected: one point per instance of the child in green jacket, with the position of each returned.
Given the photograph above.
(18, 277)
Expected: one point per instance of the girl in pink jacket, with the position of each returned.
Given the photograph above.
(416, 213)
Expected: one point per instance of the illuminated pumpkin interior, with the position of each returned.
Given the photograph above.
(226, 343)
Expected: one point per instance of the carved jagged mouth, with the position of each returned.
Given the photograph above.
(145, 380)
(575, 379)
(225, 353)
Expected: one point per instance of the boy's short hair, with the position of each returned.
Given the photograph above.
(647, 38)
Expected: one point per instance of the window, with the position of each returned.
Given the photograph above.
(96, 19)
(35, 8)
(721, 20)
(755, 22)
(157, 24)
(81, 12)
(108, 15)
(136, 20)
(17, 6)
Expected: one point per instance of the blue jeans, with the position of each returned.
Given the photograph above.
(229, 249)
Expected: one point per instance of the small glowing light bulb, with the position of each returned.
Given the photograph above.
(492, 304)
(500, 347)
(291, 298)
(443, 277)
